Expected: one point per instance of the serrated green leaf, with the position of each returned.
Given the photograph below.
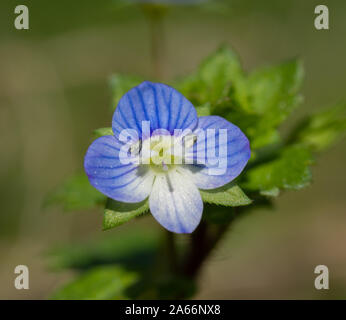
(322, 129)
(268, 136)
(103, 132)
(230, 195)
(259, 131)
(257, 103)
(100, 283)
(267, 98)
(116, 213)
(274, 91)
(215, 78)
(289, 171)
(76, 193)
(219, 72)
(120, 84)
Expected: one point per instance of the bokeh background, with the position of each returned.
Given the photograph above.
(54, 91)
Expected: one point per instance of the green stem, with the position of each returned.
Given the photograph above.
(157, 46)
(155, 15)
(172, 252)
(203, 241)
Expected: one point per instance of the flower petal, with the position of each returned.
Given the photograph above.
(220, 161)
(122, 182)
(175, 202)
(161, 105)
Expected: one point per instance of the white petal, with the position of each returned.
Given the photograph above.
(175, 202)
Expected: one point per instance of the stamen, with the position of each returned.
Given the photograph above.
(164, 166)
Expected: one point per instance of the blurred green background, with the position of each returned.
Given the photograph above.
(54, 91)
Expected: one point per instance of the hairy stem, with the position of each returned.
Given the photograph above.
(172, 251)
(157, 46)
(203, 241)
(155, 15)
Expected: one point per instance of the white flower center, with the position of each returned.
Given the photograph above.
(162, 152)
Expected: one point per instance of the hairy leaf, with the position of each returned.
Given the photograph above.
(214, 79)
(230, 195)
(259, 131)
(274, 91)
(289, 171)
(117, 213)
(272, 94)
(322, 129)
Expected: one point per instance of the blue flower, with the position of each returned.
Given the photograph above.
(161, 149)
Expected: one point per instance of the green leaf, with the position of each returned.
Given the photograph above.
(133, 247)
(322, 129)
(259, 131)
(229, 195)
(76, 193)
(214, 79)
(120, 84)
(290, 170)
(103, 132)
(257, 103)
(204, 110)
(272, 94)
(117, 213)
(101, 283)
(274, 91)
(219, 72)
